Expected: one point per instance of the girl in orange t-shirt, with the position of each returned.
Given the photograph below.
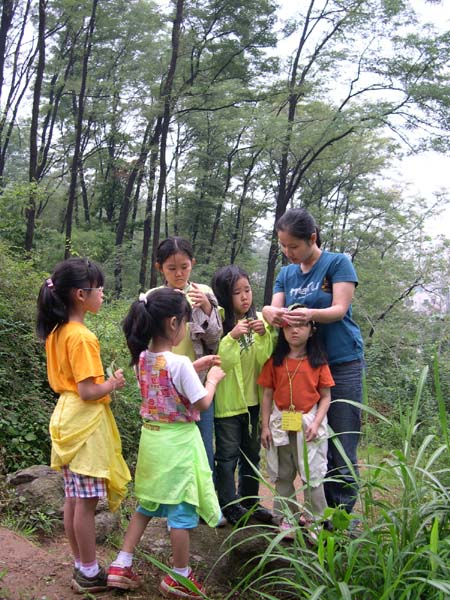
(296, 382)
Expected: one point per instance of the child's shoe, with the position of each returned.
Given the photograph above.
(83, 585)
(123, 577)
(170, 588)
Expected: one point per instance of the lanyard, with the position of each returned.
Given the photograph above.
(291, 379)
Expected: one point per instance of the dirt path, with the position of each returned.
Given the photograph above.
(42, 571)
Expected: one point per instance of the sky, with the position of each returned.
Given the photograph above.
(426, 173)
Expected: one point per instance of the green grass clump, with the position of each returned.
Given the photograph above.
(402, 548)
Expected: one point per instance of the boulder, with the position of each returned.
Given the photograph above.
(42, 489)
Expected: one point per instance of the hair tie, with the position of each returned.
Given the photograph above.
(49, 283)
(143, 298)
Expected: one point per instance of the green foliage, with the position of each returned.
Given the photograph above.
(401, 549)
(25, 398)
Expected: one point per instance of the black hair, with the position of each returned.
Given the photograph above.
(314, 349)
(146, 318)
(223, 282)
(55, 296)
(300, 224)
(172, 245)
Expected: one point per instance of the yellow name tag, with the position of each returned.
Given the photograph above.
(291, 420)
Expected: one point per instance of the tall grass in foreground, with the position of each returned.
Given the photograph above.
(402, 551)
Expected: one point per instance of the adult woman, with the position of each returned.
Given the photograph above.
(324, 282)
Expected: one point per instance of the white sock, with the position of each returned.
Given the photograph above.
(184, 571)
(90, 570)
(124, 559)
(76, 563)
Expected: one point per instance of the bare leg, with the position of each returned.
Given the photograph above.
(84, 528)
(69, 511)
(135, 530)
(180, 547)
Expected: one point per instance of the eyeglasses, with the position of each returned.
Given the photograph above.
(96, 289)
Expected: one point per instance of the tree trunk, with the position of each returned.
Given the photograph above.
(125, 208)
(30, 211)
(78, 131)
(167, 113)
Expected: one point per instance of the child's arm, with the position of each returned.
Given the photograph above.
(266, 409)
(215, 374)
(322, 409)
(88, 390)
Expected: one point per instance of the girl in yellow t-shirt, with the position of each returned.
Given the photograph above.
(86, 444)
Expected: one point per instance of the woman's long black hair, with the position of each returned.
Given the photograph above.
(146, 318)
(300, 224)
(223, 282)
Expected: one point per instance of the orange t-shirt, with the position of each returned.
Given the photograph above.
(306, 383)
(73, 355)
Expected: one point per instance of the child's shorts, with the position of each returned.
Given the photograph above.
(83, 486)
(179, 516)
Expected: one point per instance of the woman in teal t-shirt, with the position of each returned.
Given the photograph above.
(324, 283)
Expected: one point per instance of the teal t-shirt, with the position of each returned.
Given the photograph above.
(342, 339)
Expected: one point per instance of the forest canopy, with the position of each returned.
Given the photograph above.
(129, 120)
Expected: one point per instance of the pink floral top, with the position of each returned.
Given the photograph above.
(169, 386)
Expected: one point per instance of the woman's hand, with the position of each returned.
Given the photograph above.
(199, 299)
(298, 316)
(275, 315)
(266, 437)
(206, 362)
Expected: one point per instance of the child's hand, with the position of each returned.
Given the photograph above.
(117, 380)
(266, 437)
(311, 432)
(199, 299)
(215, 374)
(240, 329)
(258, 326)
(206, 362)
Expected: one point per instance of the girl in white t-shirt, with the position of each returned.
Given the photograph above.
(173, 478)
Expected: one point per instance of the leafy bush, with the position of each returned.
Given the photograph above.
(25, 397)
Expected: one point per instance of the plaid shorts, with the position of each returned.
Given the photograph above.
(83, 486)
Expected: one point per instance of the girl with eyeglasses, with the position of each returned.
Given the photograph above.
(86, 445)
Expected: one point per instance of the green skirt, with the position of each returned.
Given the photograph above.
(172, 467)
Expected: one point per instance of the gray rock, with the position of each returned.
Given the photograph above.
(42, 489)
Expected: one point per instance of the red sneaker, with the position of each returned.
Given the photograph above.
(172, 589)
(123, 577)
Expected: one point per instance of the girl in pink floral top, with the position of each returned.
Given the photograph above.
(173, 478)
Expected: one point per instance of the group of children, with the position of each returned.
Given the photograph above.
(206, 362)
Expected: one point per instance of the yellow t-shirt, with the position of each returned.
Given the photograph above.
(73, 355)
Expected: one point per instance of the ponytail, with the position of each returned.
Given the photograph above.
(146, 319)
(55, 296)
